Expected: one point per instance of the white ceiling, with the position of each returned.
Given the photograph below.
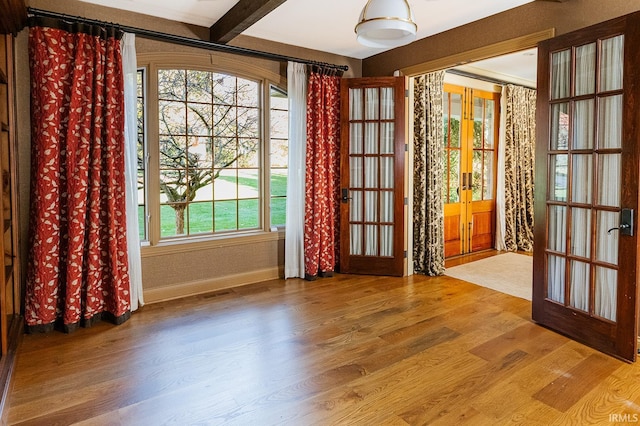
(328, 25)
(325, 25)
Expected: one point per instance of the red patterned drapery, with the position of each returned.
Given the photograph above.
(322, 186)
(77, 269)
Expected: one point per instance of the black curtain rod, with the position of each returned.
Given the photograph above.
(185, 41)
(484, 78)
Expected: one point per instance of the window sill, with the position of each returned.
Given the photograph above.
(210, 242)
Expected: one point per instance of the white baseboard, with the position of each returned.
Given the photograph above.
(192, 288)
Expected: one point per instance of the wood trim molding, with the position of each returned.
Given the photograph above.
(208, 243)
(485, 52)
(193, 288)
(13, 16)
(220, 62)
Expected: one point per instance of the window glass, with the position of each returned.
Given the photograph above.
(207, 164)
(279, 132)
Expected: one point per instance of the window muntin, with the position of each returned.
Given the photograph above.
(279, 132)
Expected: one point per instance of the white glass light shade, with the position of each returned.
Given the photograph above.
(386, 23)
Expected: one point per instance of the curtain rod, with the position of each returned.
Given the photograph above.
(484, 78)
(185, 41)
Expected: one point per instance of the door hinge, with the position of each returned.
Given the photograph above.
(406, 147)
(405, 254)
(406, 201)
(406, 93)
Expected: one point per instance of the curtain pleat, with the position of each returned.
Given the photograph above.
(294, 242)
(322, 182)
(129, 65)
(519, 163)
(428, 204)
(77, 268)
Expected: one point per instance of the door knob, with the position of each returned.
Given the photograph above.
(626, 223)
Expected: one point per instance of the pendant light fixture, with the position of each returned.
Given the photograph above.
(386, 23)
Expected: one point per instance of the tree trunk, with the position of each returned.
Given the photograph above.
(179, 209)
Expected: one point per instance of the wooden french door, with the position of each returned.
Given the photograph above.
(586, 202)
(372, 176)
(471, 122)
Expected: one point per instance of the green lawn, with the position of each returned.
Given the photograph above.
(229, 214)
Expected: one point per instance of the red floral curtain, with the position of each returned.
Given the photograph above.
(322, 186)
(77, 267)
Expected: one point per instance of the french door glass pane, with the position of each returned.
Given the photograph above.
(387, 138)
(386, 206)
(610, 122)
(476, 183)
(581, 232)
(489, 120)
(580, 279)
(606, 293)
(478, 120)
(583, 117)
(607, 242)
(559, 127)
(355, 172)
(556, 278)
(386, 240)
(371, 172)
(355, 209)
(487, 185)
(355, 244)
(387, 103)
(585, 69)
(582, 183)
(445, 117)
(609, 180)
(371, 138)
(456, 117)
(454, 176)
(558, 178)
(560, 72)
(371, 206)
(611, 63)
(386, 172)
(355, 109)
(371, 239)
(557, 229)
(355, 138)
(371, 104)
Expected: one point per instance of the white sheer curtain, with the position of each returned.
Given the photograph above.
(294, 241)
(500, 195)
(608, 112)
(130, 69)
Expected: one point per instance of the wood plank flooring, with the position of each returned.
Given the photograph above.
(347, 350)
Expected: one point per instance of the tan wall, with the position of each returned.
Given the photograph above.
(518, 22)
(168, 274)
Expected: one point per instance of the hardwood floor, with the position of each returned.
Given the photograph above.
(354, 350)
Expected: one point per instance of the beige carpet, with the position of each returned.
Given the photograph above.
(508, 273)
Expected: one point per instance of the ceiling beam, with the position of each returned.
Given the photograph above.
(13, 16)
(240, 17)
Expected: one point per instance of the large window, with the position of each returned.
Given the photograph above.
(209, 154)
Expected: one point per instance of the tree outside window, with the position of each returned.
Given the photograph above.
(209, 133)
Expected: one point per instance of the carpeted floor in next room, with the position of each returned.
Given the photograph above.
(509, 273)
